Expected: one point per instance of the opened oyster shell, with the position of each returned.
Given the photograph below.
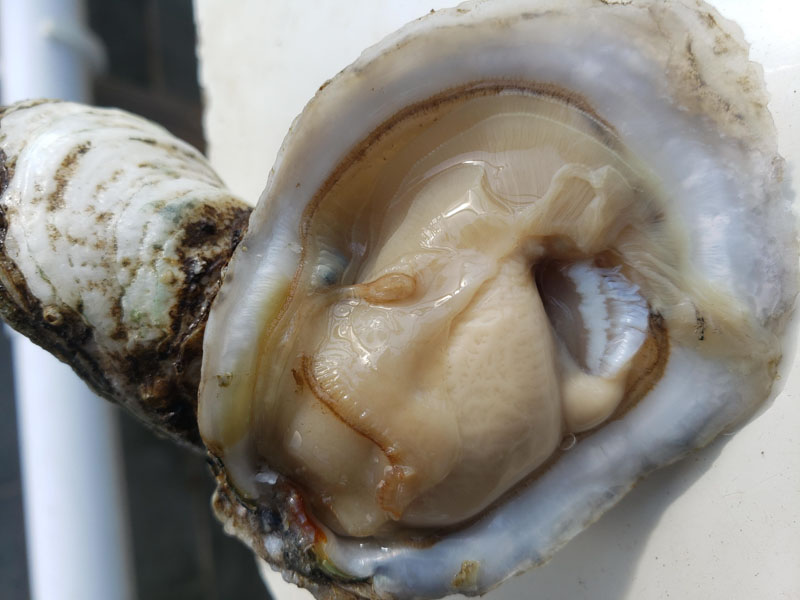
(645, 102)
(511, 260)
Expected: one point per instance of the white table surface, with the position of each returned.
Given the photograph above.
(725, 523)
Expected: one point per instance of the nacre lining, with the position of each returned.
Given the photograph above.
(416, 307)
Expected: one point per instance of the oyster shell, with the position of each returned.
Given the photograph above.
(678, 39)
(112, 237)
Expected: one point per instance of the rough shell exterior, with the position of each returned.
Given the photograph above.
(113, 235)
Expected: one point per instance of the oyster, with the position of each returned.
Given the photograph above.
(514, 258)
(370, 234)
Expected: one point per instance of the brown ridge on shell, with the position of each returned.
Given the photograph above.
(56, 200)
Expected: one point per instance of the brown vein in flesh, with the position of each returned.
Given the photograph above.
(390, 481)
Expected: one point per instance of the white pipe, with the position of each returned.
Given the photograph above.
(73, 488)
(37, 63)
(76, 532)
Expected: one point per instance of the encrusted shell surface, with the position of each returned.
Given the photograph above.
(112, 237)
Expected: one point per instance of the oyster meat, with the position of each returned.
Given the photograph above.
(518, 255)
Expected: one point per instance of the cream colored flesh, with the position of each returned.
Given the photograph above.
(415, 375)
